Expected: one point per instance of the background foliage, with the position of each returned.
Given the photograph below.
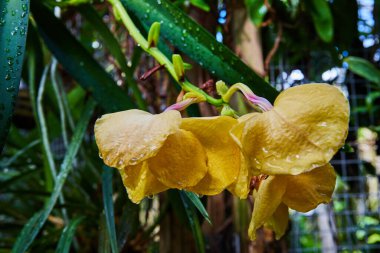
(79, 62)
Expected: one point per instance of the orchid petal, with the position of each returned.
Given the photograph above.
(139, 182)
(279, 221)
(129, 137)
(306, 191)
(223, 155)
(307, 126)
(181, 161)
(268, 198)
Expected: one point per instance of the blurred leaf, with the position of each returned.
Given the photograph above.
(322, 18)
(78, 62)
(369, 168)
(193, 40)
(66, 3)
(67, 236)
(129, 222)
(108, 206)
(19, 153)
(113, 46)
(363, 68)
(12, 180)
(200, 4)
(347, 148)
(256, 10)
(345, 22)
(103, 241)
(14, 18)
(34, 225)
(374, 238)
(365, 221)
(198, 204)
(372, 97)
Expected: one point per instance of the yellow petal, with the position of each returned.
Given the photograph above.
(181, 161)
(268, 198)
(140, 182)
(306, 191)
(279, 221)
(241, 186)
(237, 131)
(129, 137)
(307, 126)
(223, 155)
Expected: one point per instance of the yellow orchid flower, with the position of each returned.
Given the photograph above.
(303, 130)
(302, 193)
(292, 142)
(157, 152)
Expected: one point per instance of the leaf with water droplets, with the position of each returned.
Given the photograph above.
(12, 47)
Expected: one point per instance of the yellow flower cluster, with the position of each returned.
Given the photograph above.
(291, 145)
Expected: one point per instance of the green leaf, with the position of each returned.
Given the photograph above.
(200, 4)
(103, 241)
(374, 238)
(363, 68)
(67, 236)
(198, 204)
(96, 22)
(14, 18)
(108, 206)
(129, 222)
(34, 225)
(323, 21)
(194, 41)
(78, 62)
(194, 223)
(256, 10)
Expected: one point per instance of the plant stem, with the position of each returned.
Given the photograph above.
(157, 54)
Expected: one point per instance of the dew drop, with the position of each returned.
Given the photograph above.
(133, 161)
(10, 88)
(10, 61)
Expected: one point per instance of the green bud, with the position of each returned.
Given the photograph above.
(154, 34)
(195, 95)
(187, 66)
(228, 111)
(178, 67)
(221, 88)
